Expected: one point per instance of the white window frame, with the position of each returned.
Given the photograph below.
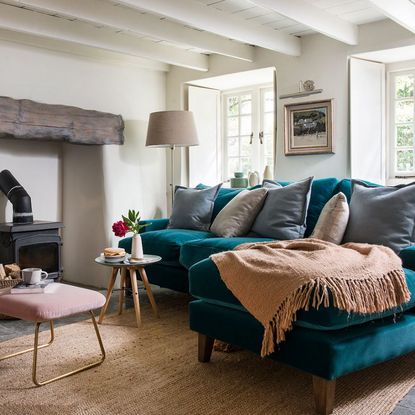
(257, 114)
(391, 127)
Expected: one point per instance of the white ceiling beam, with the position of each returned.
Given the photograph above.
(25, 21)
(104, 13)
(88, 52)
(214, 21)
(315, 18)
(400, 11)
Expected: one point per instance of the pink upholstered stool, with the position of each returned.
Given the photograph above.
(63, 301)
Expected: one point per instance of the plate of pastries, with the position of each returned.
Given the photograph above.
(114, 254)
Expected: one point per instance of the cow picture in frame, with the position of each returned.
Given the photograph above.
(309, 128)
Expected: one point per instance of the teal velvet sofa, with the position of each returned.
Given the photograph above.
(182, 248)
(326, 343)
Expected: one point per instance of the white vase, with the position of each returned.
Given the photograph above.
(253, 178)
(268, 173)
(137, 247)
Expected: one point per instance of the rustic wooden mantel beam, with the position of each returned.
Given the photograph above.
(29, 120)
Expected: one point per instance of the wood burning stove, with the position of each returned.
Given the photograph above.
(29, 243)
(37, 244)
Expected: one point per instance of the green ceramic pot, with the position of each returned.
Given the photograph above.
(239, 181)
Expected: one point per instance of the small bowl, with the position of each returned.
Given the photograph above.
(114, 259)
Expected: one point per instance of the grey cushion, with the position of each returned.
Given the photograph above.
(382, 215)
(192, 208)
(237, 217)
(284, 213)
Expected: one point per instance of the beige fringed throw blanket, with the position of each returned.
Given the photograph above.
(273, 280)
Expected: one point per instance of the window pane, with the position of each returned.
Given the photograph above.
(246, 147)
(404, 135)
(233, 124)
(246, 125)
(404, 111)
(246, 104)
(404, 86)
(246, 165)
(269, 101)
(233, 166)
(270, 162)
(233, 105)
(269, 145)
(404, 160)
(268, 123)
(233, 147)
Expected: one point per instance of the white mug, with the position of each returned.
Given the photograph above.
(33, 275)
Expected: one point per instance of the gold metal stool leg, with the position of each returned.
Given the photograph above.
(52, 337)
(81, 369)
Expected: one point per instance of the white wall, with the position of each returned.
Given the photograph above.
(326, 62)
(88, 187)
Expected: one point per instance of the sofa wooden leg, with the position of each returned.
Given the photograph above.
(205, 347)
(324, 391)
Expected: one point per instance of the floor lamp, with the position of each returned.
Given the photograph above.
(171, 129)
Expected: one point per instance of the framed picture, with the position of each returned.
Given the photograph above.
(309, 128)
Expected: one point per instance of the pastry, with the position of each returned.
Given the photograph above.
(114, 252)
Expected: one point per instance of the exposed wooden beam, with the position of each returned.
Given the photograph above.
(400, 11)
(25, 21)
(24, 119)
(317, 19)
(215, 21)
(104, 13)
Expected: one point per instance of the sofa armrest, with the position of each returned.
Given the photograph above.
(408, 257)
(155, 224)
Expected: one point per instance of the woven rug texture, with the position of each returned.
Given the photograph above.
(154, 370)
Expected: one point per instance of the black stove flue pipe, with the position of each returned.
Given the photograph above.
(14, 191)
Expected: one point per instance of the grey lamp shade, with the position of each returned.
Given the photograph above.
(171, 128)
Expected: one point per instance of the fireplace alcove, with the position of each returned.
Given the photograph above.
(35, 243)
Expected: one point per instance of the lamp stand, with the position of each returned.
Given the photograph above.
(172, 173)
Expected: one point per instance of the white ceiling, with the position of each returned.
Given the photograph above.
(184, 32)
(355, 11)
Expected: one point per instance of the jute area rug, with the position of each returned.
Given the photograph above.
(154, 371)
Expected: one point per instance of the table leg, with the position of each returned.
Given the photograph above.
(109, 292)
(134, 286)
(150, 296)
(122, 291)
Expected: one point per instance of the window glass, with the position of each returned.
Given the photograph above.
(404, 86)
(405, 160)
(248, 131)
(402, 122)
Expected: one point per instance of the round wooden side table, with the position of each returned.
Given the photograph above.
(132, 267)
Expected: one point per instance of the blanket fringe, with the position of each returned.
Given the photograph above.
(364, 296)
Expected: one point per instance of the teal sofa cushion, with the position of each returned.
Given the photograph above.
(205, 283)
(154, 224)
(328, 354)
(321, 192)
(345, 186)
(167, 242)
(195, 251)
(225, 195)
(408, 257)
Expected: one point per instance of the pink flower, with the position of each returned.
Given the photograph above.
(120, 228)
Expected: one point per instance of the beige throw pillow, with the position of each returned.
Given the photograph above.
(333, 219)
(237, 217)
